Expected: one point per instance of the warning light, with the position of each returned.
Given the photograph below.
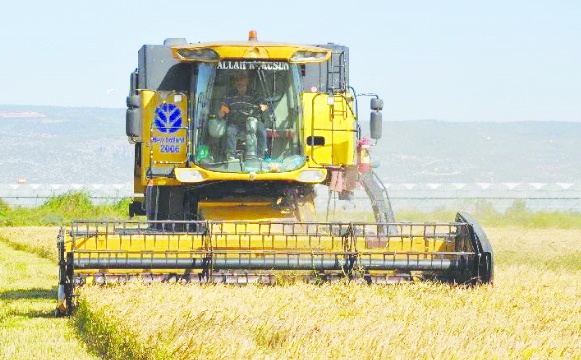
(252, 35)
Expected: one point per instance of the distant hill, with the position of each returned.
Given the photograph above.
(435, 151)
(64, 145)
(46, 144)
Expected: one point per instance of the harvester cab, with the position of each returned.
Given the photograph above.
(232, 141)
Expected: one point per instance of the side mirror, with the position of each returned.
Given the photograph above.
(375, 125)
(376, 104)
(376, 121)
(134, 101)
(133, 117)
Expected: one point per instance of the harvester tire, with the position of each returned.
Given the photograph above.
(166, 203)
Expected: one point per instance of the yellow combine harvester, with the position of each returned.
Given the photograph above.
(231, 139)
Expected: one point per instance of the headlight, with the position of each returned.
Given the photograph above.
(189, 175)
(312, 176)
(310, 56)
(204, 55)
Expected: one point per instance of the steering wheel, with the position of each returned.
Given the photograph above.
(243, 108)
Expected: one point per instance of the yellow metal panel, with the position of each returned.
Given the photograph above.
(250, 236)
(335, 123)
(138, 185)
(165, 137)
(210, 175)
(250, 211)
(148, 98)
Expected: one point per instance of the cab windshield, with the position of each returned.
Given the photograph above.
(247, 117)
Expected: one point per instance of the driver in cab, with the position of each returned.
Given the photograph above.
(242, 110)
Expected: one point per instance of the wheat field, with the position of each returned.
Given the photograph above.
(39, 240)
(533, 311)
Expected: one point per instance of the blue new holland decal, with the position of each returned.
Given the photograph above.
(168, 118)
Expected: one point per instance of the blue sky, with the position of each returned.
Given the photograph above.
(446, 60)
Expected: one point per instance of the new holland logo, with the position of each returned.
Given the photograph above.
(168, 118)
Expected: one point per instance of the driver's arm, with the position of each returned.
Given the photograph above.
(224, 110)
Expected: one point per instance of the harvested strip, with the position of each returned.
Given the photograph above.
(28, 327)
